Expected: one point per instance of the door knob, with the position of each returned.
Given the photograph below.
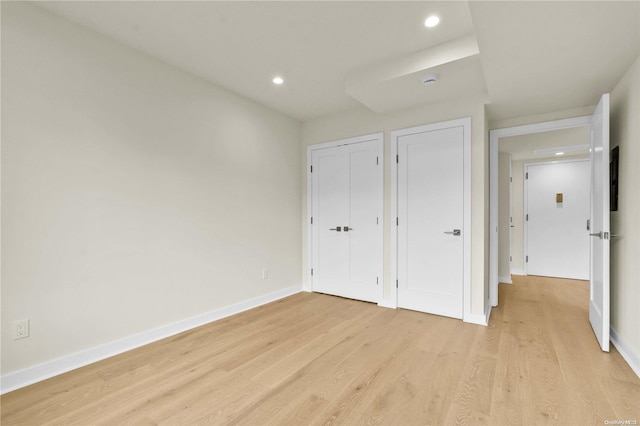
(455, 232)
(339, 229)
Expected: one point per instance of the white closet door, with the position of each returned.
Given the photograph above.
(431, 221)
(364, 240)
(347, 227)
(331, 209)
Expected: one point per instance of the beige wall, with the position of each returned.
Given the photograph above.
(361, 121)
(487, 207)
(625, 251)
(133, 194)
(517, 212)
(541, 118)
(504, 209)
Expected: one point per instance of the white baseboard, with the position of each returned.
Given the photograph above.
(505, 280)
(518, 272)
(479, 318)
(37, 373)
(627, 352)
(487, 313)
(387, 304)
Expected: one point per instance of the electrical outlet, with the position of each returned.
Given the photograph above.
(20, 329)
(265, 273)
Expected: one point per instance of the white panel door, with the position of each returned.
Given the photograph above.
(557, 235)
(431, 221)
(330, 211)
(599, 279)
(347, 227)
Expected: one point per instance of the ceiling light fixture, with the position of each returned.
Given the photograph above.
(278, 80)
(431, 21)
(561, 150)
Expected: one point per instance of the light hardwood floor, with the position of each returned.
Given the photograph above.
(317, 359)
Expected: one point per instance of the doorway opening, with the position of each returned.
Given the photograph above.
(515, 140)
(543, 205)
(598, 224)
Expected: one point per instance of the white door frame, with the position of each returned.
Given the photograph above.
(466, 235)
(494, 137)
(526, 200)
(510, 218)
(379, 139)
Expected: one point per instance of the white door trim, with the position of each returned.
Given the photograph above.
(379, 139)
(466, 235)
(494, 137)
(508, 278)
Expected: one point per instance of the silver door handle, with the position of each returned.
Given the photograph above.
(455, 232)
(339, 229)
(604, 235)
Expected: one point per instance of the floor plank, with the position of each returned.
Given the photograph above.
(319, 359)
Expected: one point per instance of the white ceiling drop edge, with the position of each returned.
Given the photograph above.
(367, 78)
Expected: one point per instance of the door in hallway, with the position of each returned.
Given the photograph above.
(557, 209)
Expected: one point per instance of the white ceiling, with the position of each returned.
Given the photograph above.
(524, 58)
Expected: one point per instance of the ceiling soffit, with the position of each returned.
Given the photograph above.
(398, 83)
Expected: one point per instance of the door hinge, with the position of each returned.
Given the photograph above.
(311, 271)
(527, 259)
(376, 160)
(311, 168)
(376, 280)
(377, 223)
(312, 220)
(397, 223)
(527, 217)
(510, 179)
(396, 283)
(510, 259)
(397, 158)
(526, 175)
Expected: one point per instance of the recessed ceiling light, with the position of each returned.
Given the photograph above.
(431, 21)
(561, 150)
(278, 80)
